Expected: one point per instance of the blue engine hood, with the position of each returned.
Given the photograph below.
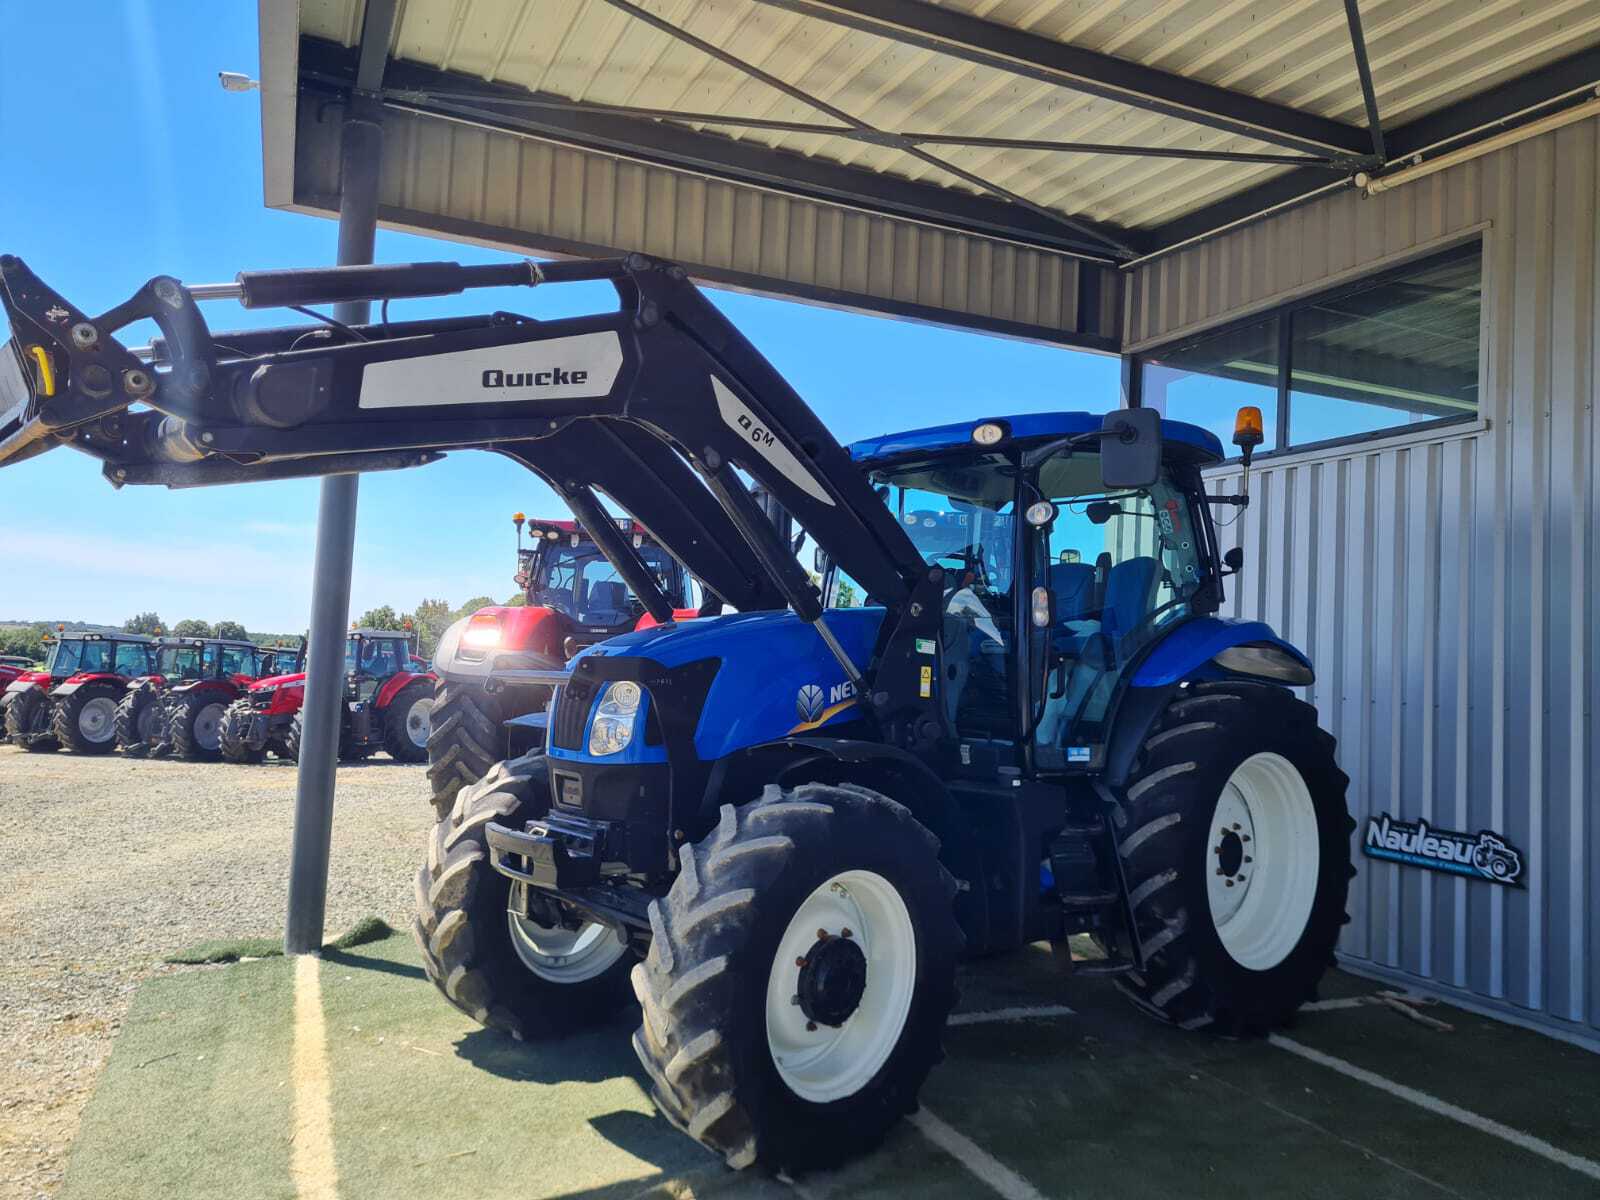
(768, 660)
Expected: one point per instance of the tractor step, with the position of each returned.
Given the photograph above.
(1105, 966)
(1087, 901)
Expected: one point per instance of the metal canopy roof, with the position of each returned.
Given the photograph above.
(980, 162)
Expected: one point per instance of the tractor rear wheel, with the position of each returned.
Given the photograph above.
(140, 724)
(503, 970)
(464, 740)
(196, 726)
(235, 724)
(405, 722)
(86, 721)
(347, 752)
(801, 971)
(28, 720)
(1235, 840)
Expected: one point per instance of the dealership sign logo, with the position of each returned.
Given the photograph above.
(1483, 855)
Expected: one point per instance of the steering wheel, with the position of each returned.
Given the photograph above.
(971, 559)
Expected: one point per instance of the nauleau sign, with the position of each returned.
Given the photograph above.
(1482, 855)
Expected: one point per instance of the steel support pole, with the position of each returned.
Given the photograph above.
(361, 155)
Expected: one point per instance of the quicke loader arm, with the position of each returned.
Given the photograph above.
(656, 404)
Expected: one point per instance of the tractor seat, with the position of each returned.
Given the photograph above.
(608, 603)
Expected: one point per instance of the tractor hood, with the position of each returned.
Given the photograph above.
(273, 682)
(777, 678)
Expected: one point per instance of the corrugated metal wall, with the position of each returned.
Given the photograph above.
(1446, 587)
(537, 197)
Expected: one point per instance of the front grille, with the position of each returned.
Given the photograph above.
(572, 713)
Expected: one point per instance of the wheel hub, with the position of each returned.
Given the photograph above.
(96, 718)
(833, 977)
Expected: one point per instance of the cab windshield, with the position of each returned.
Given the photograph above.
(580, 582)
(178, 662)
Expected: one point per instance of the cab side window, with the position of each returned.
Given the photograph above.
(132, 659)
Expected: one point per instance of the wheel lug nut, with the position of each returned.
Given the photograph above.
(1247, 858)
(795, 1000)
(1220, 871)
(823, 935)
(1236, 824)
(811, 1026)
(1244, 837)
(1230, 883)
(800, 962)
(845, 932)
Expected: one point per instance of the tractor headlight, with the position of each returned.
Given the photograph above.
(1265, 662)
(482, 632)
(614, 718)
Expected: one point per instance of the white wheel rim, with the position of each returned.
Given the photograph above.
(97, 719)
(419, 722)
(1262, 860)
(565, 955)
(821, 1062)
(208, 727)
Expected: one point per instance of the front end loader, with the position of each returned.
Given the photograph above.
(776, 831)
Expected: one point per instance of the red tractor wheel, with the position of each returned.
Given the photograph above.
(86, 721)
(407, 722)
(28, 721)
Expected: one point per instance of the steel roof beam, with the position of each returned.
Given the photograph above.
(410, 86)
(1527, 97)
(1369, 98)
(947, 31)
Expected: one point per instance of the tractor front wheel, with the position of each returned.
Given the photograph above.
(464, 739)
(196, 727)
(86, 721)
(504, 970)
(28, 720)
(800, 974)
(1235, 841)
(406, 722)
(231, 738)
(140, 725)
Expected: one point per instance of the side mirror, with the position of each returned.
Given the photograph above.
(1234, 560)
(1130, 448)
(819, 560)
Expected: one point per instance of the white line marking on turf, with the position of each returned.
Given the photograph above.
(1335, 1005)
(1036, 1013)
(1443, 1108)
(974, 1158)
(311, 1162)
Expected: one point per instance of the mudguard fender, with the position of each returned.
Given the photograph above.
(1187, 652)
(396, 683)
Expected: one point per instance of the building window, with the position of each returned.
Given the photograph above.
(1205, 382)
(1394, 351)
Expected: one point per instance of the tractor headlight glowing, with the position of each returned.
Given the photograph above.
(1265, 662)
(988, 434)
(614, 719)
(482, 632)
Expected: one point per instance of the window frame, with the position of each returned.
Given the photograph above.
(1284, 313)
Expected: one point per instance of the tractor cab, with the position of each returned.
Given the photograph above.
(1056, 581)
(563, 570)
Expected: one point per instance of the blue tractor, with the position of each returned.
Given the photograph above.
(1010, 713)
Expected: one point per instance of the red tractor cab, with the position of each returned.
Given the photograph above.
(71, 702)
(180, 706)
(574, 598)
(259, 720)
(12, 665)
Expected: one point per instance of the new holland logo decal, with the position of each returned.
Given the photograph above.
(815, 707)
(1483, 855)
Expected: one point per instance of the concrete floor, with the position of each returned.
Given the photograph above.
(206, 1095)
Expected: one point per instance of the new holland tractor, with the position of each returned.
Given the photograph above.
(574, 598)
(179, 707)
(778, 831)
(71, 703)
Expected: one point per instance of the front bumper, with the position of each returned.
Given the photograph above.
(557, 861)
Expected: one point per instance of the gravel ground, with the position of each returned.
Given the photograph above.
(110, 864)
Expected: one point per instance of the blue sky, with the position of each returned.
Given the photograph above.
(132, 161)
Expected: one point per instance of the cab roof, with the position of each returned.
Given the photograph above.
(374, 633)
(1025, 426)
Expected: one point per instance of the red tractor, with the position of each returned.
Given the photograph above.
(388, 698)
(72, 702)
(574, 598)
(179, 707)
